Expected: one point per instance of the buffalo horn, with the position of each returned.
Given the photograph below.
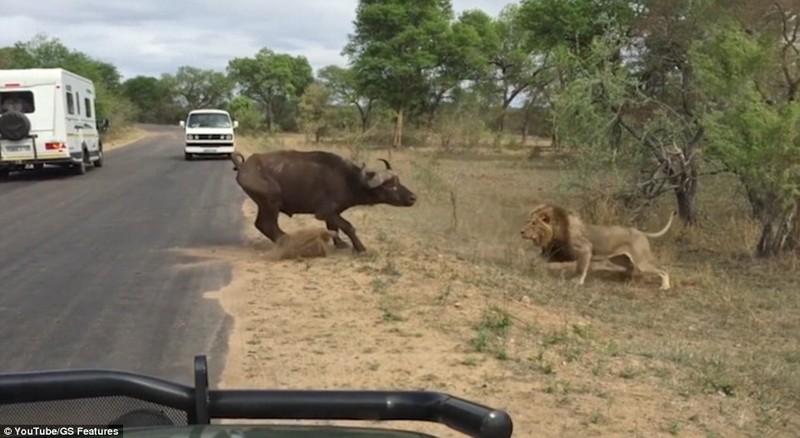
(388, 166)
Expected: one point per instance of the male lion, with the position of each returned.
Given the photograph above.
(564, 237)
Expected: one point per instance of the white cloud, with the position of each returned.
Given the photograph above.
(151, 37)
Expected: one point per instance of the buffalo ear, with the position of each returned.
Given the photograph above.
(371, 179)
(367, 175)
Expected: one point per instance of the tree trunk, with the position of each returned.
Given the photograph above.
(780, 232)
(616, 136)
(526, 122)
(434, 107)
(364, 115)
(685, 191)
(686, 209)
(501, 120)
(270, 117)
(508, 98)
(554, 140)
(270, 112)
(398, 129)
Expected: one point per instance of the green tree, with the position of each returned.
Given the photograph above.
(314, 110)
(626, 88)
(274, 80)
(644, 140)
(153, 98)
(515, 62)
(6, 57)
(752, 121)
(245, 111)
(460, 56)
(574, 24)
(393, 51)
(343, 86)
(199, 88)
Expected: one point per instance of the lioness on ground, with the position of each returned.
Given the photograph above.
(306, 243)
(564, 237)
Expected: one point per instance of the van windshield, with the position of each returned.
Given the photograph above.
(209, 121)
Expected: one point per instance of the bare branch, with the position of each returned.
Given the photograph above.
(789, 42)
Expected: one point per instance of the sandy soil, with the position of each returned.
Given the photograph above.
(332, 324)
(407, 316)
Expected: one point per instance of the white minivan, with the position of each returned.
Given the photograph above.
(208, 132)
(47, 116)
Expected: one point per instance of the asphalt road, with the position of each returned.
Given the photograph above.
(86, 276)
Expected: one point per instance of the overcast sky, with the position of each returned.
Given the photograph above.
(150, 37)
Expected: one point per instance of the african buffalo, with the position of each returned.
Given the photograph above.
(319, 183)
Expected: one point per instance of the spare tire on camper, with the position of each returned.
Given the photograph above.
(14, 125)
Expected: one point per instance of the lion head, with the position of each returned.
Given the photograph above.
(546, 223)
(537, 231)
(548, 227)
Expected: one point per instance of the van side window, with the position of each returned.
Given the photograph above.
(88, 105)
(70, 104)
(21, 101)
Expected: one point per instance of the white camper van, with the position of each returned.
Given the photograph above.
(208, 131)
(47, 116)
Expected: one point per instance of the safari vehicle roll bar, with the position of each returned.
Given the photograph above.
(201, 404)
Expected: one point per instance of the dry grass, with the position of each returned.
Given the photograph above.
(119, 138)
(449, 298)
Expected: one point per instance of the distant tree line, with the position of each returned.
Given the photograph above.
(663, 92)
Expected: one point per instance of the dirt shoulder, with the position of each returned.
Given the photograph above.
(127, 137)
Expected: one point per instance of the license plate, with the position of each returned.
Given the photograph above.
(210, 151)
(17, 148)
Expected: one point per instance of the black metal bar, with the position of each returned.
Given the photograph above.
(328, 405)
(200, 413)
(475, 420)
(202, 404)
(71, 384)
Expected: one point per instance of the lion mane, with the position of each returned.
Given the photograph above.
(550, 228)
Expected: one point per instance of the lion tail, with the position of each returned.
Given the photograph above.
(664, 230)
(237, 160)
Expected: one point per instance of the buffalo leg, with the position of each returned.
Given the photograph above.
(267, 223)
(336, 240)
(348, 229)
(266, 193)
